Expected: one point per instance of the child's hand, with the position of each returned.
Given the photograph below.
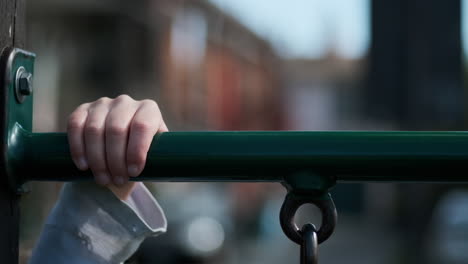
(112, 137)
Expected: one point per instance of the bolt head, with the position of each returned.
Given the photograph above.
(25, 84)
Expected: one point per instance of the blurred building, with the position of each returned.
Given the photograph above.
(204, 68)
(323, 93)
(216, 73)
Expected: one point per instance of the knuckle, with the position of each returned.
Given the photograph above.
(141, 126)
(93, 129)
(116, 130)
(150, 103)
(102, 100)
(123, 97)
(82, 107)
(74, 123)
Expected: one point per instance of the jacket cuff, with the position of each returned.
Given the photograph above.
(111, 229)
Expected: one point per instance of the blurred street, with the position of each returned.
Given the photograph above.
(269, 65)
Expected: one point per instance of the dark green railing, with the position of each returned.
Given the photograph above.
(272, 156)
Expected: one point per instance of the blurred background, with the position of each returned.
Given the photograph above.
(266, 65)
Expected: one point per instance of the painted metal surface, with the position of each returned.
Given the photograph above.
(265, 156)
(18, 115)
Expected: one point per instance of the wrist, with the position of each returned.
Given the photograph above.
(122, 191)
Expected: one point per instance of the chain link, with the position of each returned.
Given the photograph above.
(309, 246)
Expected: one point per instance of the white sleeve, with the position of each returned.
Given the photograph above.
(89, 225)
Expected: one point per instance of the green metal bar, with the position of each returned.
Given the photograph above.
(267, 156)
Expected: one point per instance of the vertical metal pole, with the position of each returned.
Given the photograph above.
(416, 82)
(11, 34)
(415, 65)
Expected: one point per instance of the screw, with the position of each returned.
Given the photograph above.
(25, 83)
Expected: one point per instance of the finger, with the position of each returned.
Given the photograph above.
(163, 127)
(94, 140)
(75, 127)
(144, 125)
(117, 128)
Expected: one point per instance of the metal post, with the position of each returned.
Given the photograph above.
(416, 82)
(11, 34)
(415, 65)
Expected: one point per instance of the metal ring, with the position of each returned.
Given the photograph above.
(19, 73)
(288, 210)
(309, 246)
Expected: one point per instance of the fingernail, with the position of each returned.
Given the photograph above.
(119, 180)
(133, 170)
(102, 179)
(82, 164)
